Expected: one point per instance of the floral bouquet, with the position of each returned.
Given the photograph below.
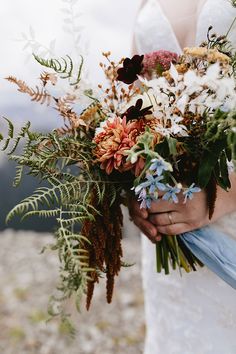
(164, 124)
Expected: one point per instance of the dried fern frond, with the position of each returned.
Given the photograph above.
(46, 77)
(39, 95)
(68, 114)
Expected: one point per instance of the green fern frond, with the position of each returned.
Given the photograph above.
(64, 67)
(55, 64)
(10, 128)
(10, 134)
(16, 140)
(77, 219)
(18, 176)
(41, 196)
(59, 193)
(47, 213)
(113, 193)
(79, 72)
(6, 143)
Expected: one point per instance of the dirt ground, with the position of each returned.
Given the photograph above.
(27, 279)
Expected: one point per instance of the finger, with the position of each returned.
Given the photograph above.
(147, 229)
(174, 229)
(164, 219)
(162, 206)
(135, 210)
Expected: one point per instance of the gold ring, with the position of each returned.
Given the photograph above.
(170, 217)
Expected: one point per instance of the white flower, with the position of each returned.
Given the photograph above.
(195, 91)
(192, 82)
(174, 73)
(182, 102)
(176, 128)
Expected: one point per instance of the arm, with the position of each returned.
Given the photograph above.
(169, 218)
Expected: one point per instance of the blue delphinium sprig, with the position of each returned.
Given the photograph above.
(188, 193)
(148, 191)
(171, 193)
(146, 200)
(159, 165)
(152, 183)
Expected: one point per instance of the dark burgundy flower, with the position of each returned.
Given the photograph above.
(136, 111)
(131, 69)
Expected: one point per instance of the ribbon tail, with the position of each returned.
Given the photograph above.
(214, 249)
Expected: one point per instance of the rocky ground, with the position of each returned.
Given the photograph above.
(27, 279)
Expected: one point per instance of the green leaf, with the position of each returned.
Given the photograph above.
(172, 146)
(221, 172)
(209, 161)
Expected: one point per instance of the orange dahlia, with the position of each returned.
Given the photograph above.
(116, 137)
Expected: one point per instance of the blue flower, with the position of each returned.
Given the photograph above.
(146, 202)
(145, 199)
(155, 184)
(152, 183)
(160, 165)
(142, 194)
(148, 191)
(170, 195)
(188, 193)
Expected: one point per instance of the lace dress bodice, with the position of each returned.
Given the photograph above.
(195, 313)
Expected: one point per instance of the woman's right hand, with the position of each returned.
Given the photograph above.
(140, 219)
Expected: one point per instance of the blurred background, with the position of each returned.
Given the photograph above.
(57, 28)
(54, 28)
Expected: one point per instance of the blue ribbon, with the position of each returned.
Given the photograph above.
(214, 249)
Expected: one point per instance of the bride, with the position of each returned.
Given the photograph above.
(195, 313)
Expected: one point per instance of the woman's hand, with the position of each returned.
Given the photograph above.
(169, 218)
(172, 219)
(176, 218)
(140, 219)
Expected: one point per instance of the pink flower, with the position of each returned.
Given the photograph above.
(157, 62)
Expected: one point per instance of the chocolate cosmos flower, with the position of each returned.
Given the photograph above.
(131, 68)
(136, 111)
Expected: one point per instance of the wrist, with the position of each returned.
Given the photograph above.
(225, 200)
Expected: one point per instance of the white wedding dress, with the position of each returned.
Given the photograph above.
(195, 313)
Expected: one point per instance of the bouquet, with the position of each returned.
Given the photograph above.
(163, 125)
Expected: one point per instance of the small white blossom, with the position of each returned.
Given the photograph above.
(182, 102)
(174, 73)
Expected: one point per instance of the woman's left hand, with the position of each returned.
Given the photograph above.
(173, 219)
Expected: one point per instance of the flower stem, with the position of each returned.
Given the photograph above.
(165, 255)
(158, 257)
(230, 28)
